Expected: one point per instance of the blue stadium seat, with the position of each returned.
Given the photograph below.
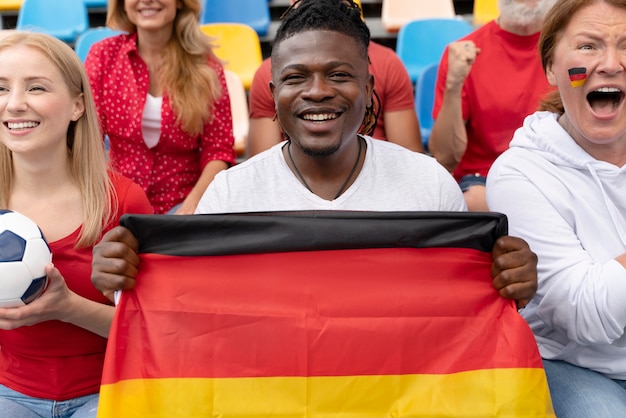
(90, 37)
(63, 19)
(424, 100)
(254, 13)
(421, 42)
(95, 3)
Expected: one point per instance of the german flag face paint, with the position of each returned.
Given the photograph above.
(577, 76)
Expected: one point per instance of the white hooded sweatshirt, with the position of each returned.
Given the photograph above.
(571, 209)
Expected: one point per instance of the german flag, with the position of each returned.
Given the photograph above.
(577, 76)
(320, 314)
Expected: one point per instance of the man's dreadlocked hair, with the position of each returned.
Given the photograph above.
(341, 16)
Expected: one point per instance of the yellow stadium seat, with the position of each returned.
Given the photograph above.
(238, 45)
(358, 3)
(485, 11)
(9, 7)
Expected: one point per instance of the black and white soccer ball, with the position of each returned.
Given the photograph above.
(24, 254)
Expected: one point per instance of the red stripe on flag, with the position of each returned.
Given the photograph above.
(575, 77)
(324, 313)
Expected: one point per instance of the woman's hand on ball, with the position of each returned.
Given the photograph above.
(52, 304)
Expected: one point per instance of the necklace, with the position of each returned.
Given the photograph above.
(345, 183)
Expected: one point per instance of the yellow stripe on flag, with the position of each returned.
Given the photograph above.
(517, 392)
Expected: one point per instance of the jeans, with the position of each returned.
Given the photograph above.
(173, 210)
(470, 180)
(17, 405)
(580, 392)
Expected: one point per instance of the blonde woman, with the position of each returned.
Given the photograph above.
(162, 100)
(53, 170)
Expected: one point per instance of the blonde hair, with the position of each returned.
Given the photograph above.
(185, 75)
(85, 147)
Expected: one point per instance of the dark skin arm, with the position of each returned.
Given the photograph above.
(115, 262)
(115, 265)
(514, 270)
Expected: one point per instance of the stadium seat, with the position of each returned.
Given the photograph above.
(63, 19)
(254, 13)
(10, 5)
(424, 99)
(238, 45)
(239, 109)
(396, 13)
(485, 11)
(95, 3)
(8, 8)
(421, 42)
(358, 2)
(90, 37)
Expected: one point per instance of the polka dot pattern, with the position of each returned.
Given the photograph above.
(120, 80)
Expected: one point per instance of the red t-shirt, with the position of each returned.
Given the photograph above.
(53, 359)
(504, 85)
(120, 80)
(391, 82)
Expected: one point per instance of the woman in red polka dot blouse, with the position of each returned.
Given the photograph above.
(162, 100)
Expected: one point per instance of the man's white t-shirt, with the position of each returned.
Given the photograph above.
(392, 179)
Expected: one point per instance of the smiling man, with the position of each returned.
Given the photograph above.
(395, 105)
(322, 88)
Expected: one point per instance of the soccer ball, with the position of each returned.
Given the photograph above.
(24, 254)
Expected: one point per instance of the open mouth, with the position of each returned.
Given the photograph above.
(605, 100)
(20, 125)
(320, 117)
